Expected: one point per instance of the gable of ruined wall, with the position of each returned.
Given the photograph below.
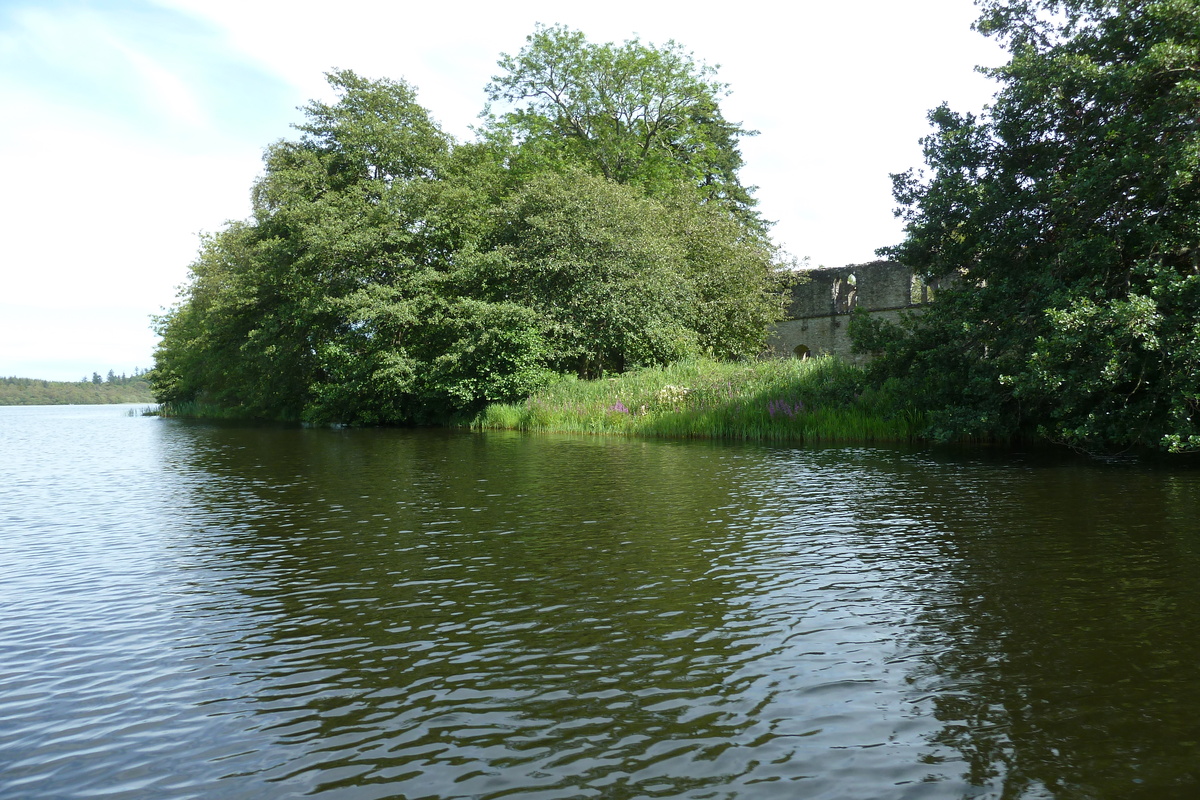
(818, 315)
(876, 286)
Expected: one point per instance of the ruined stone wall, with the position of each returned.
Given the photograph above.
(820, 309)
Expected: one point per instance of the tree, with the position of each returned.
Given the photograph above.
(636, 114)
(1063, 227)
(336, 211)
(599, 263)
(391, 275)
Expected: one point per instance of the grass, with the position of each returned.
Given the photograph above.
(814, 400)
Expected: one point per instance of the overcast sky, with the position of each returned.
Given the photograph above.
(132, 125)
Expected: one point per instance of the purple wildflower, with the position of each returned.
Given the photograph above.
(784, 407)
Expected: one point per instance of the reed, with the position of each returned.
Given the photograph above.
(815, 400)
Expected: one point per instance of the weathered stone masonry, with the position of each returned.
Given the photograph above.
(817, 319)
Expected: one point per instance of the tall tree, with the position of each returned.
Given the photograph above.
(635, 113)
(1063, 225)
(336, 211)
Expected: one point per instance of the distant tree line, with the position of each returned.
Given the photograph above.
(112, 377)
(95, 390)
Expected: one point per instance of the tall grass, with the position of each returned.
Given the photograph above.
(815, 400)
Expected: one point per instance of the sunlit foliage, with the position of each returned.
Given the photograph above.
(389, 274)
(1064, 227)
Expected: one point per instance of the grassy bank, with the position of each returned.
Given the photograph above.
(816, 400)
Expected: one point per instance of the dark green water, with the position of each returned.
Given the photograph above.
(189, 610)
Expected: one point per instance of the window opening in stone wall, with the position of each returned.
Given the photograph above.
(844, 294)
(921, 291)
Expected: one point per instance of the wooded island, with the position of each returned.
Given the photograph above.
(597, 225)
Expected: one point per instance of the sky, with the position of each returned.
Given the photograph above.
(132, 126)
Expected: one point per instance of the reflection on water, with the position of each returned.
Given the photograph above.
(191, 610)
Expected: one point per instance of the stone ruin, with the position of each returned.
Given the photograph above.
(821, 305)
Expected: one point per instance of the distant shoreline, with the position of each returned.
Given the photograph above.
(37, 392)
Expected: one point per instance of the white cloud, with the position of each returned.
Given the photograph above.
(166, 90)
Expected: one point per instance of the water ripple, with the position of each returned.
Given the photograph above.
(224, 612)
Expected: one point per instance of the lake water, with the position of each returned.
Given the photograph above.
(219, 611)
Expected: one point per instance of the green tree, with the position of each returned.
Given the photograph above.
(336, 211)
(635, 113)
(1062, 227)
(626, 280)
(390, 275)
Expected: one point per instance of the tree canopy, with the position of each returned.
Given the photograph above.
(1062, 226)
(390, 274)
(637, 114)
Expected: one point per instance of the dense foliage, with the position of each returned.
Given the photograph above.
(1064, 228)
(391, 274)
